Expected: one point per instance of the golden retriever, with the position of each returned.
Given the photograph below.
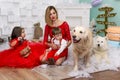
(82, 44)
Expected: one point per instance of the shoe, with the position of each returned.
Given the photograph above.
(1, 40)
(51, 61)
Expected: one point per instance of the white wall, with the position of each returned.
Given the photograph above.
(21, 12)
(25, 13)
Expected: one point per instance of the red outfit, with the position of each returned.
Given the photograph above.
(65, 34)
(12, 58)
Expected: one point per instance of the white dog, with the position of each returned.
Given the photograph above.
(100, 49)
(82, 44)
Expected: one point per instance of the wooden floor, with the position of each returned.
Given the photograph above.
(19, 74)
(104, 75)
(29, 74)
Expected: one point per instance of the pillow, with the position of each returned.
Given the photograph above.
(113, 33)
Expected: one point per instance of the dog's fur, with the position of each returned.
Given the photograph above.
(100, 49)
(82, 44)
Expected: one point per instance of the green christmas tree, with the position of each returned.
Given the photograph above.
(106, 15)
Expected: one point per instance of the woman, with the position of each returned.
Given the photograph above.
(52, 21)
(22, 53)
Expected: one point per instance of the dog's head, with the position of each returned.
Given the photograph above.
(79, 33)
(100, 42)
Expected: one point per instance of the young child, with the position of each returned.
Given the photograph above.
(22, 52)
(17, 39)
(59, 42)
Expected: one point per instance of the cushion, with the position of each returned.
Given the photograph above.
(113, 33)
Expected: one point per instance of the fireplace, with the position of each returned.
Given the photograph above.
(75, 14)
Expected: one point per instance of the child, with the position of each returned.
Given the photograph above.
(52, 21)
(22, 53)
(59, 42)
(17, 39)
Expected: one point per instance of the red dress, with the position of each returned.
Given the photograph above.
(12, 58)
(65, 34)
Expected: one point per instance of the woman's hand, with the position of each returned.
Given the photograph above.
(69, 43)
(54, 46)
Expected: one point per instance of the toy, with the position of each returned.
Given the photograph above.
(38, 32)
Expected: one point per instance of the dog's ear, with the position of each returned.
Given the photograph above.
(72, 28)
(72, 31)
(106, 38)
(96, 36)
(86, 33)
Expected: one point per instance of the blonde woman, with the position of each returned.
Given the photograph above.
(52, 21)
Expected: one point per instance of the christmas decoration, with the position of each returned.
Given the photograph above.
(96, 2)
(93, 27)
(107, 14)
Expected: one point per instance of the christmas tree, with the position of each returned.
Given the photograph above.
(93, 27)
(106, 15)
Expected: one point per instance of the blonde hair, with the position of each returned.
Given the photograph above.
(47, 15)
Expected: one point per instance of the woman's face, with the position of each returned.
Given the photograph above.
(23, 33)
(53, 15)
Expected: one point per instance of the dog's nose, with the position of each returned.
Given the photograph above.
(98, 45)
(74, 36)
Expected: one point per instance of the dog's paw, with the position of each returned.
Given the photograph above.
(108, 62)
(87, 65)
(75, 68)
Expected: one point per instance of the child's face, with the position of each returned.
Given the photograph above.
(23, 33)
(58, 36)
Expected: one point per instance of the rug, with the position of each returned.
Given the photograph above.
(66, 70)
(52, 72)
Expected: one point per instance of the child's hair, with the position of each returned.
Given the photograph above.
(56, 31)
(16, 32)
